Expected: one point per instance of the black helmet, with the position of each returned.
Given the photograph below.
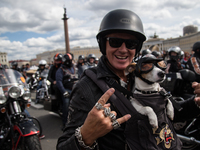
(81, 57)
(120, 20)
(58, 57)
(67, 59)
(152, 61)
(146, 51)
(156, 53)
(196, 46)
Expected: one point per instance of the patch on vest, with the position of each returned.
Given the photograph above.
(165, 136)
(195, 65)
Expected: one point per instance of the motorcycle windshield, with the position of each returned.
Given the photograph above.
(44, 73)
(9, 77)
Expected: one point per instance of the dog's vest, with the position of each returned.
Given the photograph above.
(162, 138)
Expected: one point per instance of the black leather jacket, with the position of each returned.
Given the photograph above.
(83, 98)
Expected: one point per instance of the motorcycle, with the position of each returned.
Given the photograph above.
(179, 84)
(17, 130)
(31, 79)
(43, 92)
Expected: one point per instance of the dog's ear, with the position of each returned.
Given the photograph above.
(130, 68)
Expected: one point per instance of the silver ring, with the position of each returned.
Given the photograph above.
(107, 112)
(112, 117)
(99, 106)
(115, 124)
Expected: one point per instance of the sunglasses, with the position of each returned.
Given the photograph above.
(117, 42)
(147, 67)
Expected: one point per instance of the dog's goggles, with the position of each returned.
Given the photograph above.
(117, 42)
(148, 66)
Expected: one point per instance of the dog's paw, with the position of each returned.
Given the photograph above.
(153, 120)
(170, 110)
(153, 123)
(170, 114)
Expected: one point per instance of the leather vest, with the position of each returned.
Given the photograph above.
(69, 78)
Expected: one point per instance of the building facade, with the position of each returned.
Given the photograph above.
(4, 58)
(185, 42)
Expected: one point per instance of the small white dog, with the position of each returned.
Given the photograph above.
(149, 73)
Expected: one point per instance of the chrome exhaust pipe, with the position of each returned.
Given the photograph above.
(188, 139)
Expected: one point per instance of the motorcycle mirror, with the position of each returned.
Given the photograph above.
(188, 75)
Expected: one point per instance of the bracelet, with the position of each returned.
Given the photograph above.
(80, 140)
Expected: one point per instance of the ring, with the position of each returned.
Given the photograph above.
(112, 117)
(99, 106)
(107, 112)
(115, 124)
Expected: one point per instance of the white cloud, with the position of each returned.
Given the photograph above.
(165, 18)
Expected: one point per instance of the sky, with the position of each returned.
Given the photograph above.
(28, 28)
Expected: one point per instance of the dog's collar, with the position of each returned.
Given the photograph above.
(146, 92)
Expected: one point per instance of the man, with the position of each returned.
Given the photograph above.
(27, 67)
(41, 68)
(104, 119)
(81, 66)
(194, 61)
(91, 61)
(14, 66)
(65, 77)
(52, 73)
(174, 64)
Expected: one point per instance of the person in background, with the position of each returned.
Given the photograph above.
(52, 75)
(194, 61)
(96, 61)
(81, 66)
(65, 78)
(22, 68)
(14, 65)
(90, 61)
(26, 68)
(41, 68)
(145, 52)
(186, 58)
(156, 54)
(174, 64)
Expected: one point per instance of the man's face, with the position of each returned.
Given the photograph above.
(120, 57)
(80, 60)
(91, 60)
(57, 61)
(173, 54)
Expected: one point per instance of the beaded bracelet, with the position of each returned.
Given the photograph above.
(80, 140)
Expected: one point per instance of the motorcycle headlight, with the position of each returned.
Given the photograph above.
(27, 95)
(14, 92)
(22, 89)
(48, 82)
(3, 99)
